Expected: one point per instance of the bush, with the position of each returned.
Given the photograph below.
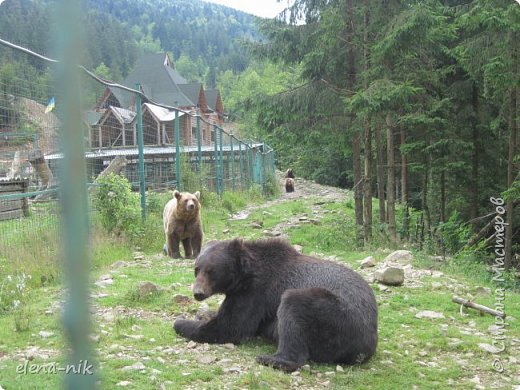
(454, 233)
(271, 188)
(118, 207)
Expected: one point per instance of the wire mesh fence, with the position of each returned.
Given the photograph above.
(156, 146)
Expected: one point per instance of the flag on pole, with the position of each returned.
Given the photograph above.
(50, 105)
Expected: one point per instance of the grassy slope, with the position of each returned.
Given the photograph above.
(412, 353)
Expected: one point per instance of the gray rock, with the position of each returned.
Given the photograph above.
(119, 264)
(483, 291)
(147, 288)
(391, 276)
(368, 262)
(181, 299)
(429, 314)
(134, 367)
(400, 256)
(489, 348)
(45, 335)
(206, 359)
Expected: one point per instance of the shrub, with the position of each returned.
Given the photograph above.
(118, 207)
(13, 296)
(271, 187)
(454, 233)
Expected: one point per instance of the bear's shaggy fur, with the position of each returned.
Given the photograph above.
(313, 309)
(289, 185)
(181, 219)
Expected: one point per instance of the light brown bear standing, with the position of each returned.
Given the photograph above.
(181, 218)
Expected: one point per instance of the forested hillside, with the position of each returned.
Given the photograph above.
(202, 37)
(411, 102)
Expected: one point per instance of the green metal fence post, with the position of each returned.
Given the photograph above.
(74, 198)
(232, 155)
(177, 152)
(221, 165)
(249, 170)
(241, 165)
(140, 143)
(217, 169)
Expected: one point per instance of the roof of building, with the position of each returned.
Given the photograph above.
(159, 81)
(162, 114)
(211, 97)
(123, 115)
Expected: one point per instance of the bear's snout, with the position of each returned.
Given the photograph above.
(199, 296)
(190, 205)
(198, 292)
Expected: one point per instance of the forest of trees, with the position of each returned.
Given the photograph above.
(412, 102)
(203, 38)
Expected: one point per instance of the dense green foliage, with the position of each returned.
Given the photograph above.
(116, 204)
(426, 92)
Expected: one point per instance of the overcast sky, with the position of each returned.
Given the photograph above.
(264, 8)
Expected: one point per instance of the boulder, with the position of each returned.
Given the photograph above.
(368, 262)
(401, 257)
(429, 314)
(390, 276)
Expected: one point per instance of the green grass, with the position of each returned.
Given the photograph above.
(426, 353)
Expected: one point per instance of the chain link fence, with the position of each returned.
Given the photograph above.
(155, 146)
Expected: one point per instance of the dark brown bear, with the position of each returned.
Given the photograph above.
(313, 309)
(289, 174)
(289, 185)
(181, 219)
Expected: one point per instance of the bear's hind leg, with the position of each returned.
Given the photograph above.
(304, 329)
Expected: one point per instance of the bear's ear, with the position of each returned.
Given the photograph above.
(197, 195)
(177, 194)
(236, 247)
(242, 256)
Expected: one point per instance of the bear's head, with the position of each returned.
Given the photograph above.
(188, 204)
(221, 268)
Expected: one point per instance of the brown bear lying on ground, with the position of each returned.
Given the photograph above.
(181, 218)
(289, 185)
(313, 309)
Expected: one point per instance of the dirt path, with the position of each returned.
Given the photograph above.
(306, 188)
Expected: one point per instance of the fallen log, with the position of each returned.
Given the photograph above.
(115, 167)
(476, 306)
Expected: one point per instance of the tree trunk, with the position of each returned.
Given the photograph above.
(443, 196)
(380, 174)
(368, 182)
(390, 192)
(368, 137)
(404, 187)
(38, 162)
(358, 185)
(424, 198)
(511, 174)
(356, 137)
(474, 192)
(511, 169)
